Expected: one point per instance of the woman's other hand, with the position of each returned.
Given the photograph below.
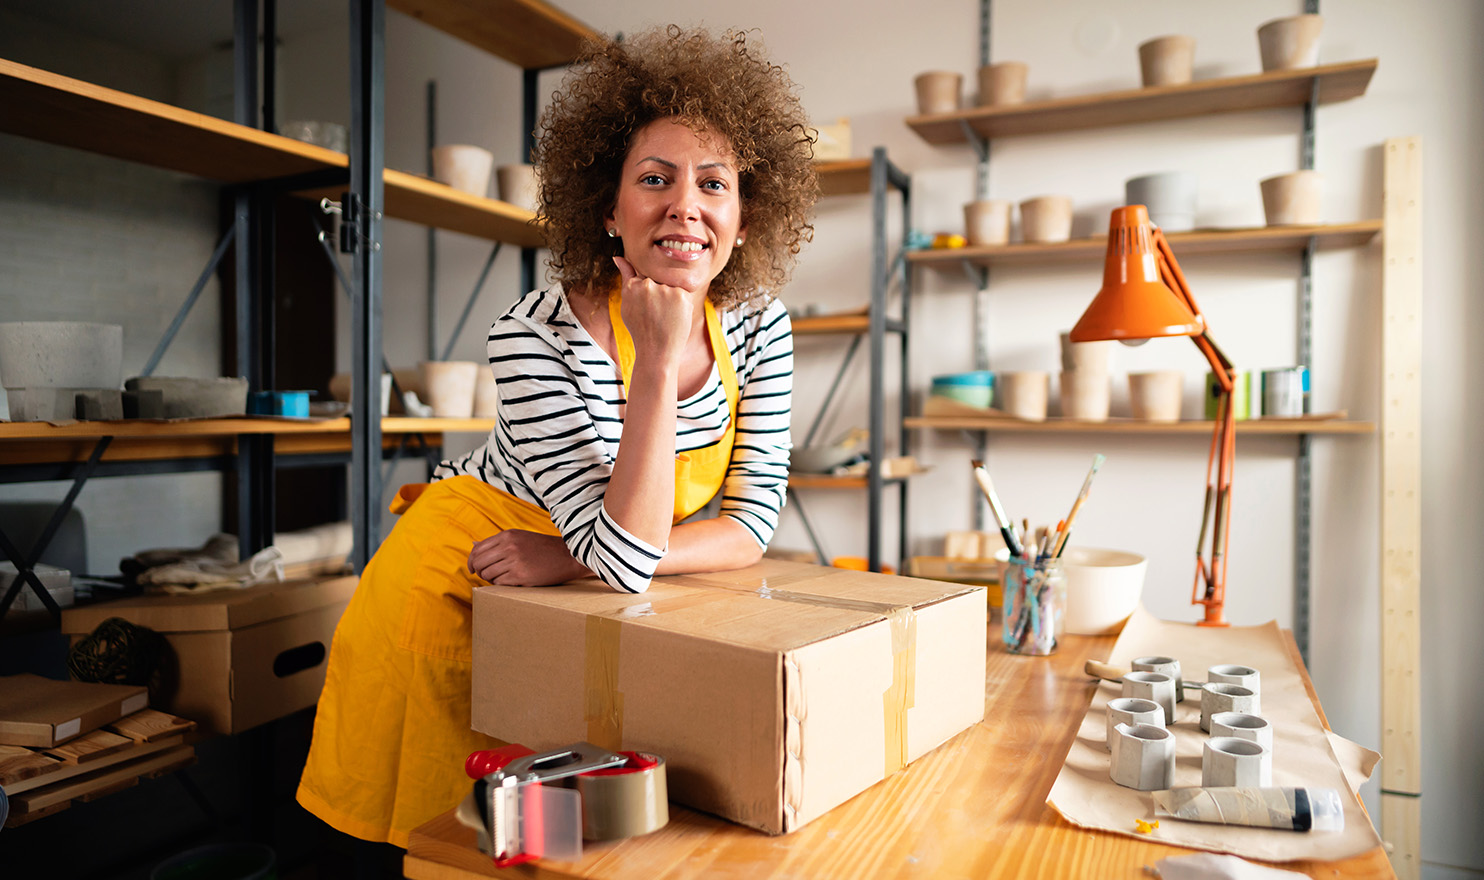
(659, 317)
(518, 558)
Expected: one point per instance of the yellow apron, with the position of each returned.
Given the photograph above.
(392, 728)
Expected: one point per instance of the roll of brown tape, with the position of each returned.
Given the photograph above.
(626, 801)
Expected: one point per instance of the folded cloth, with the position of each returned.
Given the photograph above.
(202, 575)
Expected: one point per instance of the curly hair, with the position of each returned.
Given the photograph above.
(721, 86)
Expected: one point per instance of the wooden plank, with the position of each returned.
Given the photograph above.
(1401, 499)
(1326, 236)
(1274, 426)
(528, 33)
(60, 771)
(831, 324)
(90, 747)
(1401, 823)
(101, 779)
(18, 763)
(1279, 88)
(17, 819)
(841, 177)
(149, 725)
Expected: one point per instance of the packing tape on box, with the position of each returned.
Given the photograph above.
(603, 701)
(625, 802)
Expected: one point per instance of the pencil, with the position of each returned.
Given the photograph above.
(1007, 528)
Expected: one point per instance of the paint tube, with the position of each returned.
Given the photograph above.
(1292, 809)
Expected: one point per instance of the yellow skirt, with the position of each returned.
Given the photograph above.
(392, 729)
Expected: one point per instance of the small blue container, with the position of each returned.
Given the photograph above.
(294, 404)
(974, 388)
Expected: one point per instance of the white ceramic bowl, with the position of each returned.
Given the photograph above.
(1103, 588)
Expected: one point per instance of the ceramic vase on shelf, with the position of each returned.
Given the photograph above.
(1046, 219)
(1154, 396)
(449, 387)
(465, 168)
(987, 221)
(939, 91)
(1293, 199)
(517, 185)
(1167, 61)
(1169, 196)
(1002, 84)
(1290, 43)
(1085, 395)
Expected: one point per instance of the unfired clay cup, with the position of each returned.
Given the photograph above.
(448, 387)
(1131, 711)
(1155, 686)
(1227, 762)
(1243, 726)
(1002, 83)
(1293, 199)
(1143, 757)
(516, 184)
(1085, 395)
(1167, 665)
(1217, 697)
(1046, 219)
(1023, 393)
(465, 168)
(1093, 357)
(939, 91)
(1291, 42)
(1167, 61)
(1155, 396)
(987, 221)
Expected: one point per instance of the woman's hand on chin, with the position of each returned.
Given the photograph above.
(518, 558)
(658, 316)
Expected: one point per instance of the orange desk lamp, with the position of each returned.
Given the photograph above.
(1144, 295)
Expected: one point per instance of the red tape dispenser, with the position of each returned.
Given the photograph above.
(526, 805)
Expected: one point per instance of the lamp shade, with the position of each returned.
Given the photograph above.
(1135, 302)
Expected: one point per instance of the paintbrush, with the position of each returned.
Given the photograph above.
(1007, 528)
(1061, 539)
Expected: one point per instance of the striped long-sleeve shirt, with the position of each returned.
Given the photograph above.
(560, 416)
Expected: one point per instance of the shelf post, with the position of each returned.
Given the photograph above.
(363, 208)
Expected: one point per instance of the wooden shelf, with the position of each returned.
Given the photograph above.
(820, 325)
(830, 481)
(1129, 426)
(73, 113)
(528, 33)
(1279, 88)
(25, 443)
(843, 177)
(1201, 241)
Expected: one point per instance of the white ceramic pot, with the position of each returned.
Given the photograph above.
(465, 168)
(516, 184)
(1290, 43)
(1001, 84)
(1169, 196)
(1167, 61)
(1155, 396)
(987, 221)
(1046, 219)
(1091, 357)
(61, 354)
(1293, 199)
(486, 394)
(449, 387)
(939, 91)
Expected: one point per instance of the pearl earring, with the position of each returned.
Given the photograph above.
(613, 233)
(739, 241)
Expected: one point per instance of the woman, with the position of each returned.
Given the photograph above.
(676, 186)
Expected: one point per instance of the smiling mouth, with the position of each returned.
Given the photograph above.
(681, 246)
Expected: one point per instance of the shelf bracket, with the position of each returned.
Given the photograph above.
(190, 303)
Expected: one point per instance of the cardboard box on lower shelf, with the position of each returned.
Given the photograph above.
(775, 692)
(239, 657)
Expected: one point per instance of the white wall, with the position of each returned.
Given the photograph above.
(860, 63)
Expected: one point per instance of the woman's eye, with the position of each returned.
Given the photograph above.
(715, 184)
(651, 180)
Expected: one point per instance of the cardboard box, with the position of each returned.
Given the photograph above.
(241, 657)
(774, 693)
(45, 712)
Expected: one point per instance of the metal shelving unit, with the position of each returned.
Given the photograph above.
(878, 177)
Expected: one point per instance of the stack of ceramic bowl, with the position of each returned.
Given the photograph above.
(974, 388)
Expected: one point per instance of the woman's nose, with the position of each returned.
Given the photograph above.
(686, 204)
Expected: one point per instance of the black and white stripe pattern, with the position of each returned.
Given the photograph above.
(560, 417)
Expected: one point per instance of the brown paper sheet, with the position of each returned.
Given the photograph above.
(1304, 753)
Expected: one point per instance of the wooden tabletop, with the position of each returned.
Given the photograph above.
(974, 808)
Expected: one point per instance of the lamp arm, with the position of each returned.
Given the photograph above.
(1174, 278)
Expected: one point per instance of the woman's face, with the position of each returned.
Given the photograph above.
(678, 209)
